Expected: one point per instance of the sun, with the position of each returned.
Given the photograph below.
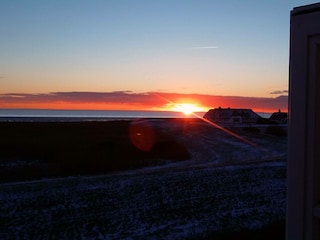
(187, 108)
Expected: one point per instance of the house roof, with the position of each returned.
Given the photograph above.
(278, 116)
(227, 113)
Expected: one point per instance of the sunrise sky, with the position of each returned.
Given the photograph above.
(145, 55)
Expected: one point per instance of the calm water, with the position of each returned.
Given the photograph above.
(36, 114)
(65, 115)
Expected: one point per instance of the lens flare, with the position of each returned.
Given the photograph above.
(192, 109)
(142, 135)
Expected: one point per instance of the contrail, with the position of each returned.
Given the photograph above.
(205, 47)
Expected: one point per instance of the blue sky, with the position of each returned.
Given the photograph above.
(229, 48)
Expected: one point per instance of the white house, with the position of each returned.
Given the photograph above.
(232, 116)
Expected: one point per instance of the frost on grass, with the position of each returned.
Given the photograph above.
(216, 190)
(149, 205)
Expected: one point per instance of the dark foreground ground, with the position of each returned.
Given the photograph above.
(34, 150)
(88, 180)
(175, 203)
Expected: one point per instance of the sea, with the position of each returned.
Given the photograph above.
(38, 115)
(85, 115)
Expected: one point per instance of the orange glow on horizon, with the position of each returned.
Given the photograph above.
(75, 106)
(186, 108)
(186, 103)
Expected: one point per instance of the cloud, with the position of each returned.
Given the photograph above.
(125, 100)
(79, 100)
(279, 92)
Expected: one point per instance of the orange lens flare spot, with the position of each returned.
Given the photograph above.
(142, 135)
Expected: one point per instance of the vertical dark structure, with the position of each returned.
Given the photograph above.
(303, 206)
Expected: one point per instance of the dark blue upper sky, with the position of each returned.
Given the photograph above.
(232, 47)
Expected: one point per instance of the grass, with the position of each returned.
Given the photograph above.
(157, 205)
(80, 193)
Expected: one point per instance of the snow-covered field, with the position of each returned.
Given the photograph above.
(227, 185)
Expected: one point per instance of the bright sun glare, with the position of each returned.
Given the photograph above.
(187, 108)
